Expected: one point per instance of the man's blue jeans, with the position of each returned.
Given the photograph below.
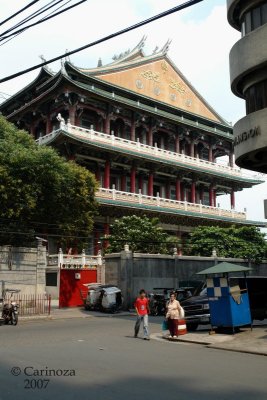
(144, 319)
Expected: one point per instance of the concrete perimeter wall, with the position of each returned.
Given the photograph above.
(23, 268)
(133, 271)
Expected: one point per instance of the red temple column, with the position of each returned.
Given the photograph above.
(98, 174)
(133, 131)
(150, 137)
(214, 197)
(232, 195)
(178, 190)
(72, 114)
(133, 179)
(48, 125)
(168, 190)
(193, 192)
(211, 195)
(150, 184)
(177, 144)
(192, 149)
(107, 124)
(182, 192)
(210, 154)
(32, 130)
(107, 175)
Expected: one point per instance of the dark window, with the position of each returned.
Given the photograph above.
(264, 13)
(248, 22)
(253, 19)
(51, 279)
(256, 97)
(256, 18)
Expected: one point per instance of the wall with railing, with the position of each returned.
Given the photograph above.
(144, 150)
(138, 199)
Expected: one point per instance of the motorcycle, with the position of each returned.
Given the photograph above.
(10, 308)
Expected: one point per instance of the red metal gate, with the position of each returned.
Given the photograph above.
(71, 284)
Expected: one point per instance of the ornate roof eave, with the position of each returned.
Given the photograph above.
(41, 96)
(123, 100)
(131, 64)
(43, 72)
(245, 182)
(156, 103)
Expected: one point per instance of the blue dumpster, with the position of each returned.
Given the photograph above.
(229, 305)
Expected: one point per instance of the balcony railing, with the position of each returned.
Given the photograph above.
(138, 199)
(130, 146)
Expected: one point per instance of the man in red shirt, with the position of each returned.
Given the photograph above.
(142, 309)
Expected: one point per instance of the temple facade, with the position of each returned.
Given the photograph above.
(150, 138)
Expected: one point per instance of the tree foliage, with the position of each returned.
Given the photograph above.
(238, 242)
(142, 234)
(40, 192)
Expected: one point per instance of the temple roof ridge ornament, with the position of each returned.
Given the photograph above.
(63, 68)
(165, 48)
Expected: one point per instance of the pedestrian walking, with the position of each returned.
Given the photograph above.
(173, 313)
(141, 306)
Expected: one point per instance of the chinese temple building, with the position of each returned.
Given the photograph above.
(150, 138)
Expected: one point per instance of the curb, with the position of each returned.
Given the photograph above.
(257, 353)
(209, 345)
(59, 317)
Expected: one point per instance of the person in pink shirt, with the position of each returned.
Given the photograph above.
(141, 306)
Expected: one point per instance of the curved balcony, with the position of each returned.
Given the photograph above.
(246, 56)
(134, 200)
(251, 141)
(138, 149)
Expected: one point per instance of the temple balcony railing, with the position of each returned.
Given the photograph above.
(138, 199)
(136, 147)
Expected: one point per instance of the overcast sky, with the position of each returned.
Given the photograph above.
(201, 41)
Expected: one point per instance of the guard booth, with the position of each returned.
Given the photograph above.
(229, 305)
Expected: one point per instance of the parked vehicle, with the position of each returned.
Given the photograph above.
(157, 300)
(10, 307)
(106, 298)
(160, 296)
(197, 307)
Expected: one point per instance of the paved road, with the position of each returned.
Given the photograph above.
(110, 364)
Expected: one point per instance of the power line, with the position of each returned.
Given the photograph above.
(29, 18)
(104, 39)
(42, 20)
(33, 15)
(18, 12)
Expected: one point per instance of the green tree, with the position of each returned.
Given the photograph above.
(237, 242)
(142, 234)
(40, 192)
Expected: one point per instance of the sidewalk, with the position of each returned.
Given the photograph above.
(246, 341)
(70, 312)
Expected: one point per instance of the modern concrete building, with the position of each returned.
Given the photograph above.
(248, 73)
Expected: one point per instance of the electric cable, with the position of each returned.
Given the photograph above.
(105, 38)
(55, 14)
(18, 12)
(35, 14)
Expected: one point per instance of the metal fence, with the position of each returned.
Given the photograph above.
(32, 304)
